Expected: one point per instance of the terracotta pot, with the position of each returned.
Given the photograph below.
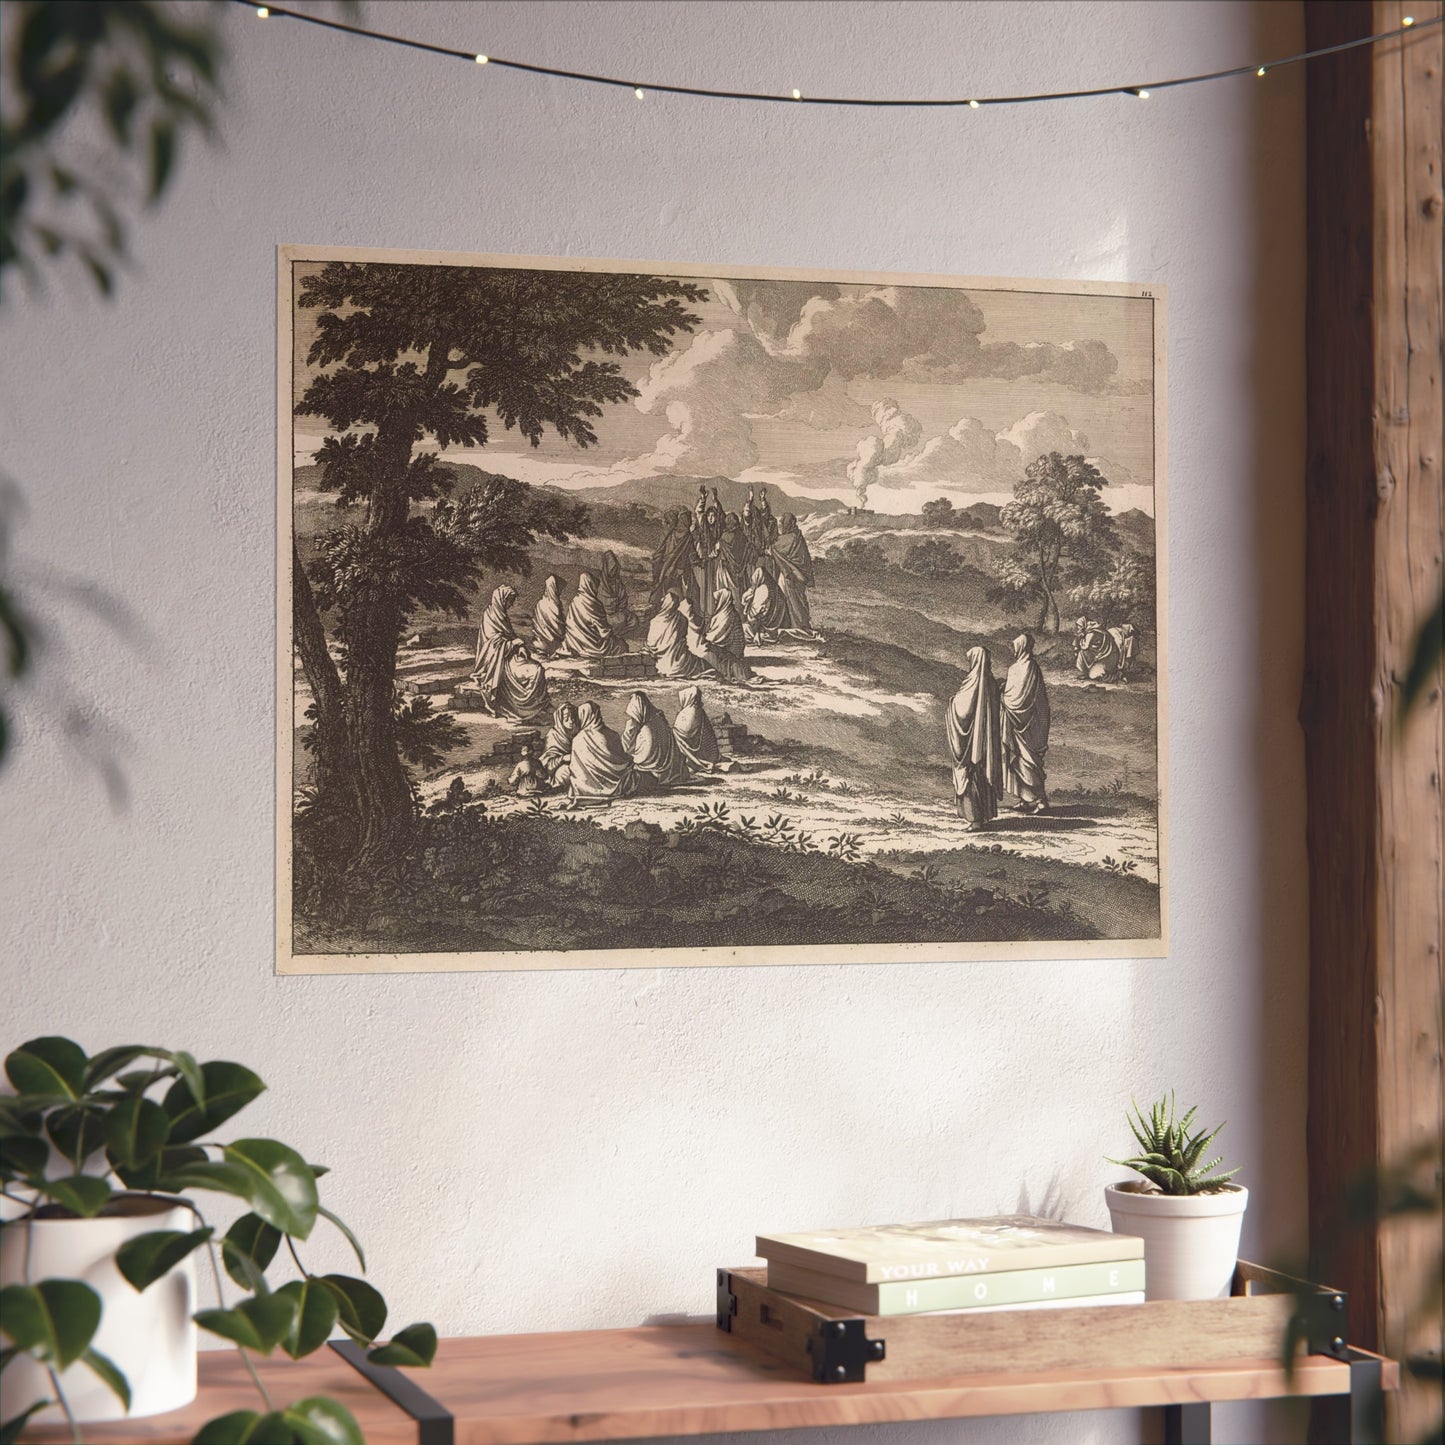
(1191, 1241)
(149, 1336)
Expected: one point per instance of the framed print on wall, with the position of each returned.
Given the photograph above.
(660, 614)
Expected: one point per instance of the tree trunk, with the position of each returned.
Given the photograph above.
(333, 769)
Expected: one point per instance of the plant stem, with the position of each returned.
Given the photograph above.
(221, 1301)
(64, 1404)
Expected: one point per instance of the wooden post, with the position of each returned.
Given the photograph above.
(1373, 569)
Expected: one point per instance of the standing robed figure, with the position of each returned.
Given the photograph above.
(612, 594)
(974, 741)
(672, 560)
(1025, 705)
(792, 565)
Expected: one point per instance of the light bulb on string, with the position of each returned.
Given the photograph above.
(262, 12)
(638, 92)
(1407, 21)
(797, 95)
(973, 105)
(1262, 72)
(482, 59)
(1142, 94)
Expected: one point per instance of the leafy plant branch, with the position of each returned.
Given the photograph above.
(82, 1135)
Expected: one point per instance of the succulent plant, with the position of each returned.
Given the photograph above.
(1170, 1153)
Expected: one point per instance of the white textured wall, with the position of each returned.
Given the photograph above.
(540, 1151)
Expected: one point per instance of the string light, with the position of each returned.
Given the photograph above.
(1407, 22)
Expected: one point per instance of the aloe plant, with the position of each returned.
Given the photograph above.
(82, 1131)
(1171, 1153)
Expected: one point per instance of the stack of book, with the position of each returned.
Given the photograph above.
(1012, 1261)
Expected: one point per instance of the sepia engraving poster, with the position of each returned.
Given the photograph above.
(648, 614)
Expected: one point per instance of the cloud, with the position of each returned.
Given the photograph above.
(898, 436)
(829, 408)
(970, 458)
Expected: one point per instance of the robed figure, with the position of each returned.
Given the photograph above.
(612, 594)
(672, 560)
(763, 610)
(974, 741)
(549, 621)
(792, 567)
(724, 639)
(510, 682)
(647, 736)
(734, 556)
(693, 731)
(557, 745)
(589, 634)
(667, 641)
(600, 766)
(706, 534)
(1097, 654)
(1025, 731)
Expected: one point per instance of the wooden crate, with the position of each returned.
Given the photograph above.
(837, 1346)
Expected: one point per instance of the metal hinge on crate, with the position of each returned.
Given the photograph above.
(841, 1352)
(727, 1301)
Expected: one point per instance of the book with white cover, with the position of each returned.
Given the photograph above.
(881, 1253)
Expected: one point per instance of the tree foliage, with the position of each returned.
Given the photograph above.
(934, 559)
(407, 360)
(1062, 533)
(938, 512)
(146, 71)
(861, 555)
(1124, 593)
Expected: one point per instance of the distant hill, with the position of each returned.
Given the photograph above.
(665, 492)
(657, 492)
(1136, 528)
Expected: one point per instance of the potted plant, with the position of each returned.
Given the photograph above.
(101, 1162)
(1187, 1213)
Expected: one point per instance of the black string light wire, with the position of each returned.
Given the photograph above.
(641, 88)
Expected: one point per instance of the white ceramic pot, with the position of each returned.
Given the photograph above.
(150, 1336)
(1191, 1241)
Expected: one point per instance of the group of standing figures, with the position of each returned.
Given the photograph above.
(998, 738)
(720, 581)
(584, 757)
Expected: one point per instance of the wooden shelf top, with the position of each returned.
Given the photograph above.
(689, 1379)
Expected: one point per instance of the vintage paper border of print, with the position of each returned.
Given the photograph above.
(654, 614)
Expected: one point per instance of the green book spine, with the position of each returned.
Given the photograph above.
(1015, 1286)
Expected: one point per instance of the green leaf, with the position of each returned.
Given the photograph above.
(163, 155)
(11, 1430)
(351, 1239)
(21, 1157)
(319, 1421)
(248, 1248)
(316, 1311)
(54, 1320)
(49, 1065)
(415, 1345)
(259, 1323)
(136, 1130)
(361, 1309)
(149, 1257)
(76, 1130)
(282, 1187)
(83, 1194)
(245, 1427)
(108, 1371)
(227, 1089)
(111, 1061)
(156, 1174)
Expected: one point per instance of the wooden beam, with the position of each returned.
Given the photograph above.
(1374, 548)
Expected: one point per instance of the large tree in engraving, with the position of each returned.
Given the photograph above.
(415, 352)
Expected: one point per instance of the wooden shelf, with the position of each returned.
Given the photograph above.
(690, 1380)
